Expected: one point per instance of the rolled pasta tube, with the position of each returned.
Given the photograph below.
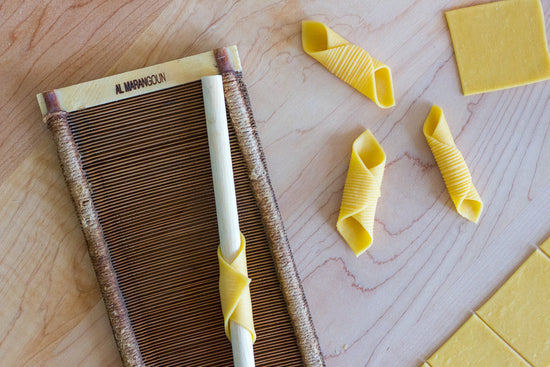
(235, 291)
(452, 166)
(348, 62)
(361, 192)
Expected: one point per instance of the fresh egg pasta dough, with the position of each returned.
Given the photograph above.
(453, 168)
(235, 291)
(476, 345)
(511, 329)
(348, 62)
(499, 45)
(519, 310)
(546, 246)
(361, 192)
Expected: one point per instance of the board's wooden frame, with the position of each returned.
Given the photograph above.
(96, 92)
(57, 103)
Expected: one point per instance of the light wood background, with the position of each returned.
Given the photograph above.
(428, 268)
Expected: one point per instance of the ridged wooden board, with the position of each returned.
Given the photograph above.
(393, 306)
(149, 171)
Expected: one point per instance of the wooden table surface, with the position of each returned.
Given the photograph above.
(428, 267)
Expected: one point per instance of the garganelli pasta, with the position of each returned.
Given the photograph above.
(348, 62)
(452, 165)
(361, 192)
(235, 291)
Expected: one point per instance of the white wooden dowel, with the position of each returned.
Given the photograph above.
(226, 200)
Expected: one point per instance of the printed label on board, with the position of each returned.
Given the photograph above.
(147, 81)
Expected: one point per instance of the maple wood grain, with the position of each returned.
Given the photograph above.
(428, 267)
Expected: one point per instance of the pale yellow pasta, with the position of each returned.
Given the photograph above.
(452, 165)
(518, 311)
(499, 45)
(511, 329)
(348, 62)
(361, 192)
(235, 291)
(546, 246)
(476, 345)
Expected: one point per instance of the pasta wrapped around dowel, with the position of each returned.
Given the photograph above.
(235, 291)
(234, 281)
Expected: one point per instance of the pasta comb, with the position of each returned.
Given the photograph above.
(134, 152)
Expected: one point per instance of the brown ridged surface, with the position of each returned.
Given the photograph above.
(239, 109)
(146, 159)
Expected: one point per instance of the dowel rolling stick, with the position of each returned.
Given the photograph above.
(226, 202)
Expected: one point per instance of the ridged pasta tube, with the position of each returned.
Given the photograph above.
(452, 165)
(348, 62)
(235, 291)
(361, 192)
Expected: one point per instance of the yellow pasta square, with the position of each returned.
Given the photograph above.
(546, 246)
(475, 345)
(520, 310)
(499, 45)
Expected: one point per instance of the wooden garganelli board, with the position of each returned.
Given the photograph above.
(428, 267)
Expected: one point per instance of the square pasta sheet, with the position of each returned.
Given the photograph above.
(512, 328)
(518, 311)
(475, 345)
(499, 45)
